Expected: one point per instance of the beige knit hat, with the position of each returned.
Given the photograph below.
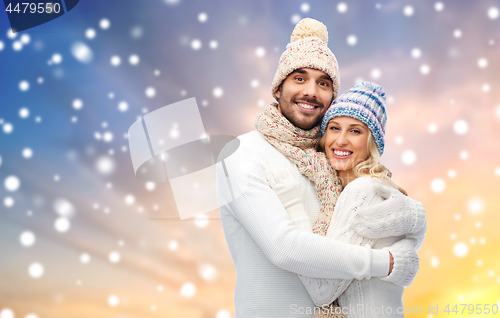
(307, 48)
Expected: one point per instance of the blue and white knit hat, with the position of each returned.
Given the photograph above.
(365, 102)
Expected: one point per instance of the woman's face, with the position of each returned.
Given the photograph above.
(346, 142)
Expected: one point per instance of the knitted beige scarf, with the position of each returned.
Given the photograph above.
(299, 146)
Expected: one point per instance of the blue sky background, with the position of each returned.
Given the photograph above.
(442, 144)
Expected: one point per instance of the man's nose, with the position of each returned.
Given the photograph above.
(310, 89)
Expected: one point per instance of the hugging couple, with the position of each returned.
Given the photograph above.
(320, 229)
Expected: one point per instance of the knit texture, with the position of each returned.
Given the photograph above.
(298, 146)
(365, 102)
(360, 194)
(377, 220)
(308, 49)
(268, 251)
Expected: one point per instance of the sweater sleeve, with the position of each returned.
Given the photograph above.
(243, 188)
(323, 291)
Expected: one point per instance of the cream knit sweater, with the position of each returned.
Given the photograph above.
(268, 249)
(375, 297)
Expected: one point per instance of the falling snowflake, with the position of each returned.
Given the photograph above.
(425, 69)
(8, 128)
(295, 18)
(77, 104)
(123, 106)
(114, 257)
(207, 272)
(218, 92)
(196, 44)
(56, 58)
(438, 185)
(24, 112)
(460, 249)
(223, 314)
(460, 127)
(85, 258)
(90, 34)
(173, 245)
(104, 24)
(36, 270)
(150, 92)
(188, 290)
(408, 11)
(115, 60)
(475, 205)
(113, 300)
(416, 53)
(201, 221)
(434, 262)
(62, 225)
(82, 52)
(12, 183)
(260, 52)
(452, 173)
(482, 63)
(493, 13)
(27, 239)
(202, 17)
(352, 40)
(376, 73)
(133, 59)
(432, 128)
(24, 86)
(409, 157)
(342, 7)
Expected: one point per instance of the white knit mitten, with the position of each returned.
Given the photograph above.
(396, 215)
(406, 263)
(288, 190)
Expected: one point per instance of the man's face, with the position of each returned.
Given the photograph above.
(304, 97)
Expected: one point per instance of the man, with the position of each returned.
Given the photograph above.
(267, 249)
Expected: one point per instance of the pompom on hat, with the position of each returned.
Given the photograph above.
(307, 48)
(365, 102)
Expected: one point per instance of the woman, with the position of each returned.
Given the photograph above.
(353, 132)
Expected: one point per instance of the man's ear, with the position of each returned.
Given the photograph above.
(278, 91)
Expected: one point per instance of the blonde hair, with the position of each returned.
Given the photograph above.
(371, 166)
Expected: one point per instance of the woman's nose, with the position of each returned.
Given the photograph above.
(342, 139)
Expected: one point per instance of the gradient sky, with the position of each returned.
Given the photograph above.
(437, 61)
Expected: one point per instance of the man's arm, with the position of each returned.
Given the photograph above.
(406, 262)
(255, 205)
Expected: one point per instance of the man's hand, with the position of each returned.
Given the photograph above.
(391, 266)
(288, 190)
(396, 215)
(404, 263)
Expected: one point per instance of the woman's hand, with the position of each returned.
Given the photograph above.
(287, 188)
(396, 215)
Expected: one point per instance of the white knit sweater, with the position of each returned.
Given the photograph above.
(375, 297)
(268, 249)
